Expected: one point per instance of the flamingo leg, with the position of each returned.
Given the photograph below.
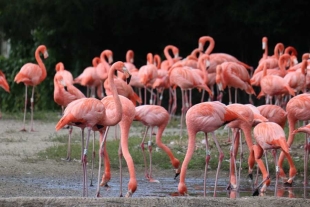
(144, 157)
(184, 105)
(25, 110)
(208, 153)
(149, 144)
(84, 164)
(229, 94)
(93, 160)
(221, 157)
(274, 153)
(69, 144)
(120, 155)
(32, 107)
(102, 142)
(241, 158)
(233, 167)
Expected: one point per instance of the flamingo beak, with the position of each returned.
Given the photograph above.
(45, 54)
(127, 75)
(110, 59)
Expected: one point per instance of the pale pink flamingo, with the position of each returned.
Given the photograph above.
(269, 135)
(32, 75)
(155, 116)
(205, 117)
(90, 113)
(274, 113)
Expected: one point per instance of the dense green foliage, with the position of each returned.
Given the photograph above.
(75, 31)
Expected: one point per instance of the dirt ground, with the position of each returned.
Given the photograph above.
(54, 183)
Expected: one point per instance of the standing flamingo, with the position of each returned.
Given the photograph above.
(64, 93)
(155, 116)
(128, 114)
(270, 135)
(3, 84)
(206, 117)
(32, 75)
(90, 79)
(90, 113)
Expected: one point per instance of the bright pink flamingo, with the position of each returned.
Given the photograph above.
(155, 116)
(128, 114)
(3, 84)
(187, 78)
(274, 85)
(274, 114)
(270, 135)
(32, 75)
(166, 64)
(217, 58)
(205, 117)
(231, 74)
(64, 93)
(90, 113)
(103, 68)
(297, 108)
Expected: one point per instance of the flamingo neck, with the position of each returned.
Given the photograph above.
(167, 55)
(41, 64)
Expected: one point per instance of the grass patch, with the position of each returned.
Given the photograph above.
(45, 116)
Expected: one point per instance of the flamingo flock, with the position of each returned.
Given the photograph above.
(114, 97)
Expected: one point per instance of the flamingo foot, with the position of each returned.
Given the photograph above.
(98, 195)
(176, 175)
(128, 194)
(104, 183)
(250, 175)
(23, 130)
(231, 187)
(32, 130)
(68, 159)
(151, 180)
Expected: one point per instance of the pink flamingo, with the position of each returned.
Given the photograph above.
(155, 116)
(270, 135)
(205, 117)
(64, 93)
(128, 114)
(32, 75)
(3, 84)
(90, 113)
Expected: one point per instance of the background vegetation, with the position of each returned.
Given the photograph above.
(75, 31)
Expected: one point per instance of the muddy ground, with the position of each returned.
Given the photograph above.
(58, 183)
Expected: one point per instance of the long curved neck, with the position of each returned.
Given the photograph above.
(211, 41)
(202, 66)
(129, 56)
(118, 107)
(40, 63)
(175, 162)
(167, 55)
(278, 50)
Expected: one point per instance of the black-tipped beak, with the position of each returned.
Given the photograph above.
(176, 175)
(128, 79)
(115, 72)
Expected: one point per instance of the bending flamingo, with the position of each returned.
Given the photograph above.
(155, 116)
(270, 135)
(205, 117)
(32, 75)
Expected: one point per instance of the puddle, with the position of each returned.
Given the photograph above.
(166, 188)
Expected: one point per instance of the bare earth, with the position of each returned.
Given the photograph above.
(54, 183)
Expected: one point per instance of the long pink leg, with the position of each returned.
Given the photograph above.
(103, 140)
(32, 107)
(93, 160)
(144, 157)
(206, 165)
(84, 162)
(221, 157)
(69, 144)
(149, 144)
(25, 110)
(120, 155)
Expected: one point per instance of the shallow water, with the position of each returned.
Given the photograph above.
(166, 187)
